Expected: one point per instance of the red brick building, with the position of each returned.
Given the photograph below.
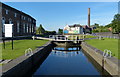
(23, 24)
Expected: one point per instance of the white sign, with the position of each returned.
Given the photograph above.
(8, 30)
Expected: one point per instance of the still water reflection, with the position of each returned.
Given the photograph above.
(67, 61)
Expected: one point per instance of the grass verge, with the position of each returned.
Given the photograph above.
(19, 48)
(107, 43)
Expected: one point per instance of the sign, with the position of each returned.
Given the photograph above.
(8, 30)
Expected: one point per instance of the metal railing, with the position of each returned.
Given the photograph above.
(67, 37)
(115, 37)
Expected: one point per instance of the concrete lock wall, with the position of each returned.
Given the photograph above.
(109, 64)
(27, 65)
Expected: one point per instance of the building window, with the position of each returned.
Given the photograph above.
(18, 27)
(24, 18)
(24, 27)
(15, 15)
(3, 27)
(32, 28)
(27, 27)
(21, 17)
(6, 11)
(30, 20)
(10, 21)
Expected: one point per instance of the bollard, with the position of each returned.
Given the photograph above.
(33, 37)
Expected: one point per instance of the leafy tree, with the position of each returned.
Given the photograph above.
(108, 26)
(116, 24)
(41, 30)
(95, 31)
(60, 31)
(96, 25)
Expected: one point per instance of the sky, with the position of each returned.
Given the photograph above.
(55, 15)
(60, 0)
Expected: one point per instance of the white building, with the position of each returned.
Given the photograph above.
(73, 29)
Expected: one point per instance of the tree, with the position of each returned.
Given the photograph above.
(60, 31)
(116, 24)
(108, 26)
(41, 30)
(96, 25)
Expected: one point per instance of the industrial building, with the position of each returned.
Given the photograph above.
(73, 29)
(77, 28)
(23, 24)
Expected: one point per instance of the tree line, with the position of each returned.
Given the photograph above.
(41, 31)
(114, 26)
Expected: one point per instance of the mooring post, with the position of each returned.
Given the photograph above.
(3, 43)
(103, 63)
(56, 37)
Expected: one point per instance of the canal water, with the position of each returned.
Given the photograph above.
(69, 61)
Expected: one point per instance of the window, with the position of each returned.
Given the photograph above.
(6, 11)
(18, 27)
(27, 27)
(21, 17)
(24, 18)
(15, 15)
(30, 28)
(30, 20)
(10, 21)
(24, 27)
(3, 27)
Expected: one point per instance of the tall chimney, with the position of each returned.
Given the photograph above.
(89, 17)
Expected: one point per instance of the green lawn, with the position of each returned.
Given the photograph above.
(89, 36)
(19, 48)
(110, 44)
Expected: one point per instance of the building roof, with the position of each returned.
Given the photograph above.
(75, 25)
(17, 10)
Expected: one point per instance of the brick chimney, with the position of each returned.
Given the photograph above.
(88, 17)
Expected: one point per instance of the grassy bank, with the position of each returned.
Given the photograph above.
(110, 44)
(89, 36)
(19, 48)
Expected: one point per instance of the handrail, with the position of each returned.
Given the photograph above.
(28, 52)
(107, 53)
